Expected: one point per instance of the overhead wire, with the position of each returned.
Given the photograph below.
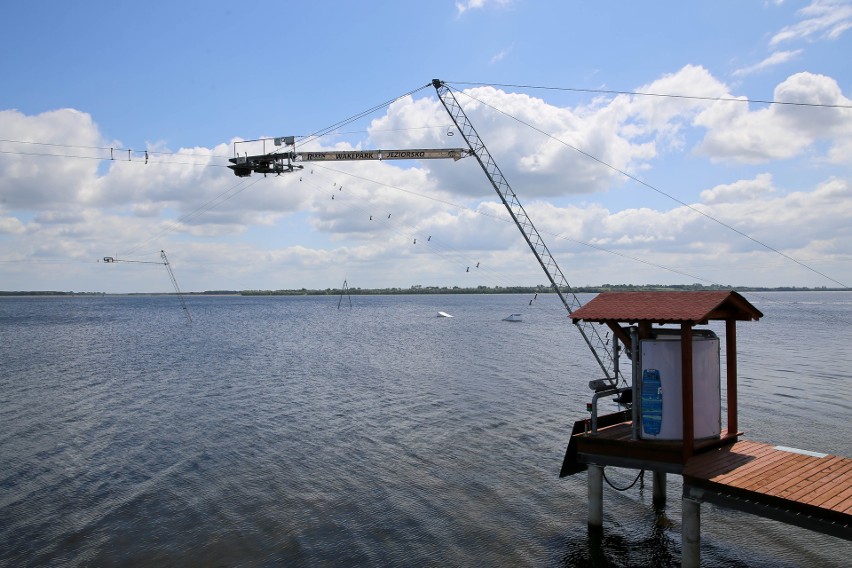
(464, 262)
(405, 233)
(696, 277)
(655, 189)
(325, 131)
(511, 222)
(222, 197)
(661, 95)
(117, 154)
(322, 132)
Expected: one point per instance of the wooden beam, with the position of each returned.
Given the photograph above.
(687, 390)
(731, 358)
(620, 334)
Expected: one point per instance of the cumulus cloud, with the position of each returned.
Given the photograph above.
(741, 190)
(11, 226)
(537, 144)
(47, 159)
(404, 223)
(779, 131)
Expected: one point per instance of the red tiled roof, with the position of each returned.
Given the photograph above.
(667, 307)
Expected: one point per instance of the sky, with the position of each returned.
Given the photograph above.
(649, 143)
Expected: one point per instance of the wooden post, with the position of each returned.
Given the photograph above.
(659, 488)
(686, 390)
(731, 358)
(595, 496)
(691, 533)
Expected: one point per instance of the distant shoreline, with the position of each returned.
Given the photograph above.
(420, 290)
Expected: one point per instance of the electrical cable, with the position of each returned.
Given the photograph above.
(653, 188)
(663, 95)
(608, 482)
(325, 131)
(234, 190)
(556, 236)
(217, 200)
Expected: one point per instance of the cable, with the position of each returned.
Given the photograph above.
(664, 95)
(108, 159)
(197, 212)
(218, 199)
(353, 118)
(556, 236)
(608, 482)
(651, 187)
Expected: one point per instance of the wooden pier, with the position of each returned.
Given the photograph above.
(798, 487)
(804, 488)
(810, 490)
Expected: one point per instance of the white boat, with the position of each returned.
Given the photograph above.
(444, 315)
(513, 317)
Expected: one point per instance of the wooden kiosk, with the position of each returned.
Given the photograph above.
(644, 311)
(716, 466)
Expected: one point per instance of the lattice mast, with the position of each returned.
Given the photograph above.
(607, 360)
(175, 284)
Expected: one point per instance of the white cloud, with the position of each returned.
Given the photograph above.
(462, 7)
(777, 58)
(226, 232)
(11, 226)
(620, 133)
(666, 117)
(779, 131)
(501, 55)
(738, 191)
(30, 178)
(821, 20)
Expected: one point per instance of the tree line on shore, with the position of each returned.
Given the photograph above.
(417, 289)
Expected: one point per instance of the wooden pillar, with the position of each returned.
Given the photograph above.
(731, 357)
(690, 544)
(686, 390)
(659, 488)
(595, 496)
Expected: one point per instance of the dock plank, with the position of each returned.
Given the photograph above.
(762, 467)
(797, 469)
(819, 487)
(840, 502)
(817, 482)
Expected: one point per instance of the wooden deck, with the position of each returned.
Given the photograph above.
(811, 491)
(612, 445)
(803, 489)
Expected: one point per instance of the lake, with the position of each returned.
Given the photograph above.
(283, 431)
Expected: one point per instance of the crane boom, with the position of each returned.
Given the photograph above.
(282, 162)
(607, 360)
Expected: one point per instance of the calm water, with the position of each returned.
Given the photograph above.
(279, 431)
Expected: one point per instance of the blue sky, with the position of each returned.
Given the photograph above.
(739, 193)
